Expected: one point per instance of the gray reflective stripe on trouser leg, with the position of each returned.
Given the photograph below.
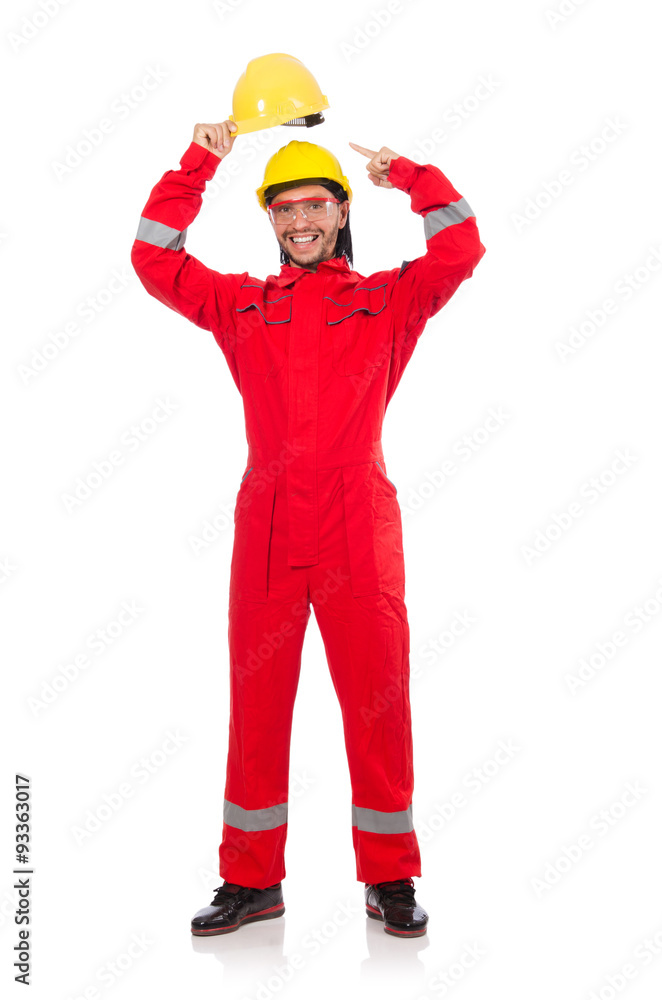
(449, 215)
(254, 819)
(374, 821)
(160, 235)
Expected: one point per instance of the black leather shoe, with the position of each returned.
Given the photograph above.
(394, 903)
(234, 905)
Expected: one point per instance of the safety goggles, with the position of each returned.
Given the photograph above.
(312, 209)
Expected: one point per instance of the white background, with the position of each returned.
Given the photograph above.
(495, 875)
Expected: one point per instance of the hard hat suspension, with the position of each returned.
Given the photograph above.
(308, 121)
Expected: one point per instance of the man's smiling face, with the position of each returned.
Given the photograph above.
(309, 253)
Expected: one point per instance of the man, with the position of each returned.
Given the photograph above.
(316, 352)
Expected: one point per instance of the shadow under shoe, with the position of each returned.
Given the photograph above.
(395, 904)
(234, 905)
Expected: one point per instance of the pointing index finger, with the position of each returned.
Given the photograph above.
(362, 149)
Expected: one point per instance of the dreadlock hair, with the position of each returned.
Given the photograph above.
(344, 240)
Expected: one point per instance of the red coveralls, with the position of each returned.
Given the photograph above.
(316, 357)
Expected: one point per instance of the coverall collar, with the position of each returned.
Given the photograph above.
(289, 274)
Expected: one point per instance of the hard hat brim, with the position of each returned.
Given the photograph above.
(287, 113)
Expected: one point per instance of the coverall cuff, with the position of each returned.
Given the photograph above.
(402, 173)
(197, 156)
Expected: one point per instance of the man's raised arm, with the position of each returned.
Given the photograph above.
(453, 246)
(424, 285)
(158, 256)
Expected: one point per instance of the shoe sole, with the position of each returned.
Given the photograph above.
(376, 915)
(272, 911)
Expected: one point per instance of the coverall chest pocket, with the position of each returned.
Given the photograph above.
(359, 333)
(262, 330)
(253, 511)
(373, 526)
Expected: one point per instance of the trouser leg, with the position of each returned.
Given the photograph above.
(265, 643)
(367, 647)
(366, 640)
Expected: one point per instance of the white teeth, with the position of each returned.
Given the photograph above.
(303, 239)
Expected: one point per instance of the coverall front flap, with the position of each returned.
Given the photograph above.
(316, 357)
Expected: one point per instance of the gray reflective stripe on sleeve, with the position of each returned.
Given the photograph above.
(254, 819)
(449, 215)
(159, 235)
(374, 821)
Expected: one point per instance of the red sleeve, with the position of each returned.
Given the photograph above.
(167, 271)
(453, 244)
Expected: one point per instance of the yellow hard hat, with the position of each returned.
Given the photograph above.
(276, 89)
(300, 161)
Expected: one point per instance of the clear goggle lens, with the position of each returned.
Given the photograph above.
(315, 208)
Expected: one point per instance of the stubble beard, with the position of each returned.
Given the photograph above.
(325, 244)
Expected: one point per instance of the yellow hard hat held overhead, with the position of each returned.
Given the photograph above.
(302, 161)
(276, 89)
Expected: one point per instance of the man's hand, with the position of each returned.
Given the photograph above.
(379, 165)
(218, 139)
